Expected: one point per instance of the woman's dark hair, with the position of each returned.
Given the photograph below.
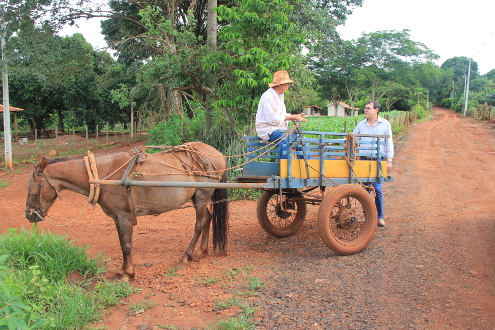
(376, 105)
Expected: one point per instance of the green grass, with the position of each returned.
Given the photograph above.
(172, 271)
(36, 266)
(142, 306)
(249, 286)
(4, 183)
(241, 322)
(207, 281)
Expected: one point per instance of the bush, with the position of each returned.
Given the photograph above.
(419, 110)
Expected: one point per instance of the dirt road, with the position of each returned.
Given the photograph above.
(431, 267)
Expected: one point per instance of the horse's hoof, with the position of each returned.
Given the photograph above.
(182, 265)
(204, 253)
(123, 277)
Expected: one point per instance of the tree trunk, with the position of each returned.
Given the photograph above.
(211, 35)
(60, 126)
(211, 27)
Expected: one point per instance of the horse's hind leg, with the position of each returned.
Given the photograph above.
(203, 247)
(202, 226)
(124, 228)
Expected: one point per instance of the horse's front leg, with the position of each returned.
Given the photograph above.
(124, 228)
(202, 227)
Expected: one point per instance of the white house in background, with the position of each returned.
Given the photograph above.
(312, 110)
(343, 110)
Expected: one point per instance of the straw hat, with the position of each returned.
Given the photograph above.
(279, 78)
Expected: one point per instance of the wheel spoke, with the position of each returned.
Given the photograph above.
(347, 219)
(280, 218)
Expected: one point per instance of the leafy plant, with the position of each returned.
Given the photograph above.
(14, 313)
(172, 271)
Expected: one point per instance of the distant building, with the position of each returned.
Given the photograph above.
(312, 110)
(343, 110)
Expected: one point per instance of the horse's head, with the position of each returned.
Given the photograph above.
(41, 193)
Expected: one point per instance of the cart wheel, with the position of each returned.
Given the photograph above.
(278, 221)
(347, 219)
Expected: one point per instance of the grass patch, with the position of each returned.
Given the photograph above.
(241, 322)
(142, 306)
(172, 271)
(207, 281)
(34, 269)
(249, 286)
(4, 183)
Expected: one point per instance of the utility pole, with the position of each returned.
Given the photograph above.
(7, 136)
(427, 99)
(467, 89)
(452, 96)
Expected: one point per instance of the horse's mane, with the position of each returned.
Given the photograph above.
(65, 159)
(61, 159)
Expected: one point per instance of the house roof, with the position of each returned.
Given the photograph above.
(10, 108)
(345, 105)
(312, 106)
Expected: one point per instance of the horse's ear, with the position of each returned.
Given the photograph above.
(42, 165)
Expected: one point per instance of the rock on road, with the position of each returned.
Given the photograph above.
(431, 267)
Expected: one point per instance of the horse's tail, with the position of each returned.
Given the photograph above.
(220, 216)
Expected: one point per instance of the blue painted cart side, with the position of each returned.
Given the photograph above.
(318, 148)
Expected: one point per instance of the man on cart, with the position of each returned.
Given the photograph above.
(272, 115)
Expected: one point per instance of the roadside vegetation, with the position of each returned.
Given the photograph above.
(47, 282)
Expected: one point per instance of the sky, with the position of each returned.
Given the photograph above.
(448, 27)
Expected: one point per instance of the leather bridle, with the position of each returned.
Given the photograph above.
(36, 188)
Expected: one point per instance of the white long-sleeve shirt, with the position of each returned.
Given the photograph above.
(271, 114)
(381, 127)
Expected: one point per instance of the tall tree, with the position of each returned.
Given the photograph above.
(258, 40)
(58, 82)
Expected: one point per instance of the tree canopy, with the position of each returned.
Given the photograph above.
(165, 68)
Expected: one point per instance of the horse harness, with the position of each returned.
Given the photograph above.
(36, 188)
(199, 166)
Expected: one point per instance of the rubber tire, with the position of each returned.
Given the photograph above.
(327, 226)
(270, 199)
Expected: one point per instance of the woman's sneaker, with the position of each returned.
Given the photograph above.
(381, 223)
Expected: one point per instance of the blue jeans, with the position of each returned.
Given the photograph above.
(379, 199)
(283, 145)
(378, 193)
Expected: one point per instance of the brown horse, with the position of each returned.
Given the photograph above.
(193, 162)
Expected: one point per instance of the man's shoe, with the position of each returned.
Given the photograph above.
(381, 223)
